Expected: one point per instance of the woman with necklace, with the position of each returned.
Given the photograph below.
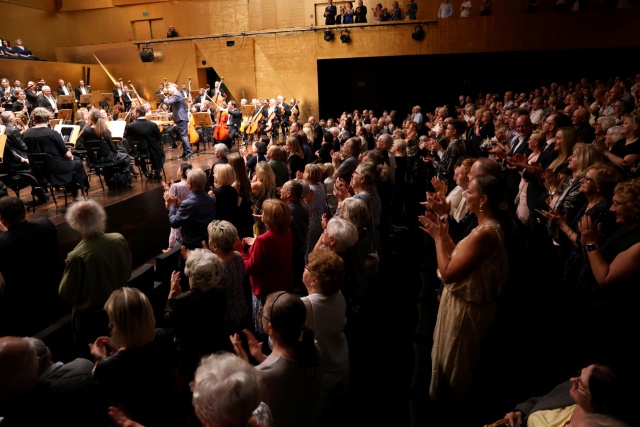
(474, 272)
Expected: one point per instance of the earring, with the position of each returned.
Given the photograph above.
(481, 208)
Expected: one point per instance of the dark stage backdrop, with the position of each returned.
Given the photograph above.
(400, 82)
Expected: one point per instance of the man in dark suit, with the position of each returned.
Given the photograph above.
(580, 120)
(30, 300)
(536, 191)
(126, 98)
(48, 101)
(195, 212)
(117, 94)
(180, 118)
(64, 90)
(148, 141)
(80, 90)
(235, 120)
(511, 174)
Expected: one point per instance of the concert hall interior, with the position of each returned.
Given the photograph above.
(263, 49)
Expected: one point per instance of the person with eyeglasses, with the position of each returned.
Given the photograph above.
(597, 186)
(596, 389)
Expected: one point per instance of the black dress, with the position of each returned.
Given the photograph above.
(199, 322)
(142, 381)
(45, 140)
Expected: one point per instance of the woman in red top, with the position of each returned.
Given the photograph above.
(268, 261)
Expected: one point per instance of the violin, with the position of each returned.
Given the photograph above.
(269, 126)
(293, 117)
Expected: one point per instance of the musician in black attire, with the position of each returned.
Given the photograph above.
(235, 120)
(148, 140)
(285, 111)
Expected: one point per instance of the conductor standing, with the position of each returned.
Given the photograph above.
(180, 118)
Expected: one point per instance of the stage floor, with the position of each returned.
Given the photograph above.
(139, 214)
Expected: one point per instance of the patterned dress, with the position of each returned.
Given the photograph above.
(317, 207)
(232, 281)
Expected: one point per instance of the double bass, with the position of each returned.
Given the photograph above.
(193, 133)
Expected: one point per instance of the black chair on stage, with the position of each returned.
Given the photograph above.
(42, 165)
(106, 169)
(142, 161)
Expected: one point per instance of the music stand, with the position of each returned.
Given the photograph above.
(159, 98)
(117, 128)
(65, 99)
(65, 115)
(204, 121)
(69, 133)
(106, 100)
(248, 110)
(86, 99)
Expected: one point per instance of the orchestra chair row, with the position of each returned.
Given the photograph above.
(42, 165)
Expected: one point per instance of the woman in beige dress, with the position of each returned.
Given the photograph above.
(474, 272)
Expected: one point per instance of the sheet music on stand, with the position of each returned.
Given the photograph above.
(117, 128)
(69, 133)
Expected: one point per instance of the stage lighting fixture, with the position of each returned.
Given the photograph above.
(146, 56)
(345, 37)
(146, 53)
(328, 35)
(418, 34)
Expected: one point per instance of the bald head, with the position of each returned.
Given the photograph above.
(485, 166)
(523, 125)
(18, 367)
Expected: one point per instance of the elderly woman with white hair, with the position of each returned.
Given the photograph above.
(198, 315)
(339, 235)
(227, 392)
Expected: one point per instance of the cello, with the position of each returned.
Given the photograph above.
(254, 124)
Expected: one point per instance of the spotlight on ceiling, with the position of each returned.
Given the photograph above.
(345, 37)
(418, 34)
(328, 35)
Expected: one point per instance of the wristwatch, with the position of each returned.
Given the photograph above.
(591, 247)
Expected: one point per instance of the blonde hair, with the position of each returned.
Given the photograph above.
(266, 176)
(131, 318)
(313, 173)
(224, 174)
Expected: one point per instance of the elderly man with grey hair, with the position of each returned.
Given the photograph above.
(221, 152)
(198, 315)
(98, 265)
(194, 213)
